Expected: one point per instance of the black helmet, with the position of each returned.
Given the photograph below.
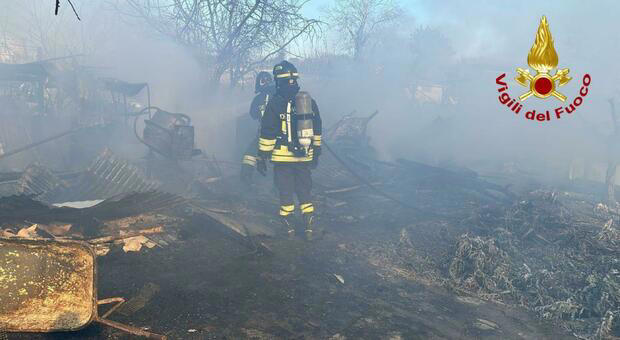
(285, 70)
(263, 81)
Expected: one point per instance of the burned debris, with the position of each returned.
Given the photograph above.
(125, 212)
(546, 251)
(171, 135)
(550, 252)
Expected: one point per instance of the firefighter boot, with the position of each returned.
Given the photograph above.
(309, 223)
(289, 227)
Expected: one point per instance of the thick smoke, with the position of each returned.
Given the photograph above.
(489, 38)
(466, 46)
(499, 35)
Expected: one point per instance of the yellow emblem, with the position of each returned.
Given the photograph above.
(542, 58)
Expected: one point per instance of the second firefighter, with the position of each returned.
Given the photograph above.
(290, 136)
(264, 89)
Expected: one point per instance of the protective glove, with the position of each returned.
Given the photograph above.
(261, 166)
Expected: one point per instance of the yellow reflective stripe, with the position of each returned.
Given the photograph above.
(290, 159)
(284, 127)
(249, 160)
(282, 154)
(307, 208)
(286, 210)
(317, 137)
(266, 141)
(287, 75)
(266, 144)
(283, 151)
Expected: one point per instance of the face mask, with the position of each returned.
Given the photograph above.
(289, 89)
(269, 89)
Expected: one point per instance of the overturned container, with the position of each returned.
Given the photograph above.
(50, 286)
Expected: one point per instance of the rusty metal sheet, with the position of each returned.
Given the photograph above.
(46, 286)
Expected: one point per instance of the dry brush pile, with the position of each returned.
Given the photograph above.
(550, 252)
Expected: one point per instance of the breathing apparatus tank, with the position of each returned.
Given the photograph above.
(304, 118)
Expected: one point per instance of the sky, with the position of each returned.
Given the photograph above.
(313, 8)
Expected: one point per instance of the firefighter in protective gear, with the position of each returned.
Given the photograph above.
(264, 89)
(279, 142)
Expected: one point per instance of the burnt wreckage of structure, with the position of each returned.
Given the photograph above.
(196, 254)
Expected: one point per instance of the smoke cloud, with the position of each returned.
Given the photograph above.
(466, 46)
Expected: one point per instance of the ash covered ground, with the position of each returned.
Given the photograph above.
(472, 260)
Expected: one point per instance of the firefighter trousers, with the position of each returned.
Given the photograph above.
(249, 156)
(292, 179)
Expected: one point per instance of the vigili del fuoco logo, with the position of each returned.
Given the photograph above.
(543, 59)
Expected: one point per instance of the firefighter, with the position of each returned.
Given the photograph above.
(264, 89)
(290, 136)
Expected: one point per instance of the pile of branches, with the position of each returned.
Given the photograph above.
(480, 266)
(550, 253)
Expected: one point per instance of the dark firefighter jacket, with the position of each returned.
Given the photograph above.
(274, 132)
(259, 103)
(257, 110)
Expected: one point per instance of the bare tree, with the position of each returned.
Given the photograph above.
(34, 27)
(230, 36)
(359, 20)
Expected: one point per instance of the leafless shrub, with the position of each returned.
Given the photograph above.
(231, 37)
(359, 20)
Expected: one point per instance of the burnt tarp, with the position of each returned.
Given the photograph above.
(17, 207)
(22, 208)
(123, 87)
(23, 72)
